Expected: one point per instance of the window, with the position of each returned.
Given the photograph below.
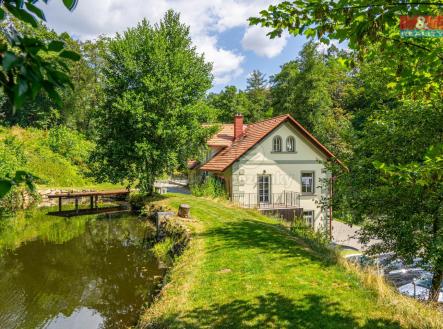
(290, 144)
(308, 217)
(264, 188)
(276, 144)
(307, 182)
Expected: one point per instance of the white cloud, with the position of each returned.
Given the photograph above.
(255, 39)
(207, 19)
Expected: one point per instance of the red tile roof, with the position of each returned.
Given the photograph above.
(254, 133)
(224, 137)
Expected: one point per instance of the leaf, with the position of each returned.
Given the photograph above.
(56, 45)
(8, 60)
(391, 85)
(21, 14)
(72, 55)
(5, 187)
(37, 11)
(70, 4)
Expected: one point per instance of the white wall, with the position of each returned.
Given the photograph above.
(285, 169)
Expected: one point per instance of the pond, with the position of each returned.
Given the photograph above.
(82, 272)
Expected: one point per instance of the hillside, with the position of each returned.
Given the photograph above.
(244, 270)
(57, 156)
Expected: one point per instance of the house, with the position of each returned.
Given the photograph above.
(272, 165)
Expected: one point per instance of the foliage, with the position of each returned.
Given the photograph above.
(314, 89)
(417, 205)
(30, 150)
(228, 103)
(253, 103)
(76, 105)
(257, 92)
(415, 64)
(69, 143)
(211, 187)
(28, 63)
(149, 125)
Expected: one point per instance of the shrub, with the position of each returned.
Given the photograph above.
(69, 144)
(210, 187)
(11, 155)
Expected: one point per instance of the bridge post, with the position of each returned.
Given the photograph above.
(60, 204)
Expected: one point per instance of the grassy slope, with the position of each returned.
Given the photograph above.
(54, 169)
(244, 270)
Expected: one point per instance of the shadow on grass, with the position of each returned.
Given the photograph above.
(276, 311)
(271, 238)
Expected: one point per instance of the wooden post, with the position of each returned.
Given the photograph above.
(96, 202)
(76, 205)
(184, 211)
(91, 204)
(60, 204)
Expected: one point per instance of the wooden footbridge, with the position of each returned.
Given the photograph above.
(93, 196)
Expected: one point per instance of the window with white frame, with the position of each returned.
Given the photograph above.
(276, 144)
(290, 144)
(308, 217)
(307, 182)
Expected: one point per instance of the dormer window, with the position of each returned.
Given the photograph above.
(276, 144)
(290, 144)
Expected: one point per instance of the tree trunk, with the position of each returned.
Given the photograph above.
(437, 280)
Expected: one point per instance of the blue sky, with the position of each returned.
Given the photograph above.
(219, 29)
(231, 39)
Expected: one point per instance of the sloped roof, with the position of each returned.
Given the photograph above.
(224, 137)
(254, 133)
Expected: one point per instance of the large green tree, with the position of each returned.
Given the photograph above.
(150, 122)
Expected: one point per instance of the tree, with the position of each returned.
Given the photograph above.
(423, 182)
(150, 121)
(76, 104)
(399, 211)
(229, 102)
(29, 64)
(258, 94)
(311, 89)
(416, 64)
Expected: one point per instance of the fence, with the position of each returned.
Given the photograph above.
(282, 200)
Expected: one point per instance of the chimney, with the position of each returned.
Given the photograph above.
(238, 126)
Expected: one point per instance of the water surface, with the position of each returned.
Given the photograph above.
(100, 277)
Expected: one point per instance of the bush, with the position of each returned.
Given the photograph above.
(69, 144)
(211, 187)
(11, 155)
(317, 240)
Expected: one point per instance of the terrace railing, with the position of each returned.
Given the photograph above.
(286, 199)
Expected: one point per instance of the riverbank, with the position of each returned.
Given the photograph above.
(243, 270)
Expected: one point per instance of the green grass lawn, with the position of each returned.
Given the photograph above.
(243, 270)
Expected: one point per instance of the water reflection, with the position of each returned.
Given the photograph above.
(99, 279)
